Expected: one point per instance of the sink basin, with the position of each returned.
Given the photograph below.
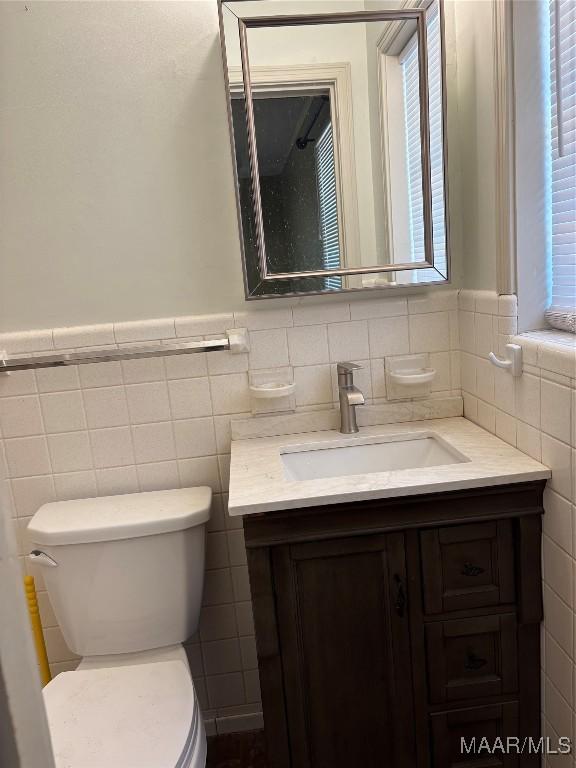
(362, 456)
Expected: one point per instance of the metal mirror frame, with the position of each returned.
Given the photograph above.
(417, 14)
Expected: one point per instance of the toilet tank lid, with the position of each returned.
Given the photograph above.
(126, 516)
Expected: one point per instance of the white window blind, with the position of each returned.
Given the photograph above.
(326, 176)
(413, 148)
(562, 194)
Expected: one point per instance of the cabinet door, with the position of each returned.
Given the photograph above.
(343, 629)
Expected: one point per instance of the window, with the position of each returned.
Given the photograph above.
(562, 164)
(414, 159)
(326, 176)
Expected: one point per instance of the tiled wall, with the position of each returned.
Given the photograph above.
(537, 413)
(162, 423)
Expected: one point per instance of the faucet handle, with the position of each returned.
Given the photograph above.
(344, 368)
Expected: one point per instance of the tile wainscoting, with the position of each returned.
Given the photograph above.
(536, 413)
(158, 423)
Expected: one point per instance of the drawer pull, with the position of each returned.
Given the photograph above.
(400, 600)
(474, 662)
(470, 569)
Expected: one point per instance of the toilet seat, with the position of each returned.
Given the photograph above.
(135, 716)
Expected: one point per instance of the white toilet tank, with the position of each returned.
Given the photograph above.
(124, 573)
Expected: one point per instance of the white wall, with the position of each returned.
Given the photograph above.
(115, 169)
(477, 140)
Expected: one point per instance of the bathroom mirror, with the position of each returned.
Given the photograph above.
(337, 117)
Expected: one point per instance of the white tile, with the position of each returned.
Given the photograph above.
(556, 410)
(470, 407)
(454, 330)
(148, 402)
(559, 621)
(241, 583)
(217, 622)
(260, 320)
(440, 362)
(559, 669)
(20, 416)
(190, 398)
(485, 380)
(245, 618)
(557, 521)
(186, 366)
(315, 314)
(225, 690)
(144, 369)
(75, 485)
(226, 362)
(487, 302)
(200, 325)
(467, 300)
(429, 332)
(116, 480)
(557, 456)
(468, 372)
(26, 341)
(158, 476)
(528, 440)
(100, 374)
(17, 383)
(224, 470)
(268, 349)
(313, 384)
(382, 307)
(200, 471)
(467, 331)
(63, 411)
(378, 375)
(195, 437)
(484, 334)
(112, 447)
(27, 456)
(508, 326)
(230, 393)
(506, 427)
(70, 452)
(56, 646)
(105, 407)
(58, 379)
(308, 345)
(144, 330)
(217, 550)
(558, 570)
(154, 442)
(218, 587)
(504, 396)
(221, 656)
(348, 341)
(507, 306)
(84, 336)
(388, 336)
(433, 301)
(486, 416)
(31, 492)
(527, 399)
(236, 547)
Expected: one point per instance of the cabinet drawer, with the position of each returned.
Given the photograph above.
(471, 658)
(467, 566)
(489, 723)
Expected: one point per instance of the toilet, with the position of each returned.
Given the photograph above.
(124, 575)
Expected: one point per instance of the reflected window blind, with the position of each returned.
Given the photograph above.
(562, 313)
(326, 176)
(411, 79)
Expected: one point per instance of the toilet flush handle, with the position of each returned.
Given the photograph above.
(36, 556)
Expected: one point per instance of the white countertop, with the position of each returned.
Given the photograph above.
(258, 483)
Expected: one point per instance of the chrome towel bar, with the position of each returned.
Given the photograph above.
(235, 341)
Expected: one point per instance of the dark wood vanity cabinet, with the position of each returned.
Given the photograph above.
(389, 630)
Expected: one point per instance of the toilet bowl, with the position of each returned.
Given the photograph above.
(124, 575)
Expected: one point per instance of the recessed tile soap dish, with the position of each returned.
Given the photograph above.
(408, 376)
(271, 390)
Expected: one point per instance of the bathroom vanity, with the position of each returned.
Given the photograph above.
(403, 615)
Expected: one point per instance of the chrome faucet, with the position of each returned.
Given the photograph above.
(350, 396)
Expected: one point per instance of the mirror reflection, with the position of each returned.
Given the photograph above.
(347, 172)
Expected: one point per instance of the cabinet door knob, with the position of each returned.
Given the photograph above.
(470, 569)
(400, 599)
(474, 662)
